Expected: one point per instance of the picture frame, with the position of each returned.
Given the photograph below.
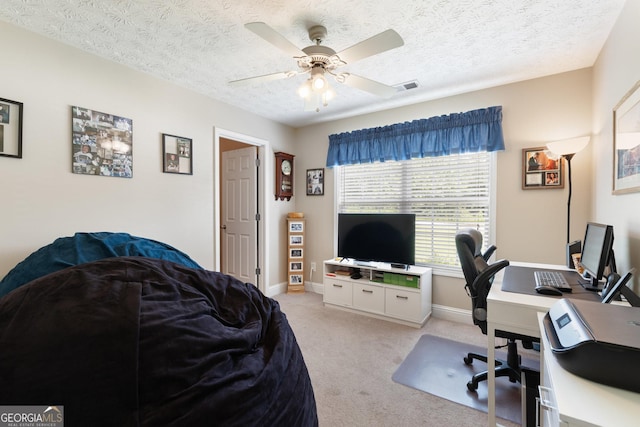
(296, 227)
(541, 169)
(295, 266)
(315, 182)
(11, 128)
(626, 143)
(295, 253)
(296, 240)
(295, 279)
(177, 154)
(101, 143)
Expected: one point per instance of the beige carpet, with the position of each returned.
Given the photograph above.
(436, 366)
(351, 359)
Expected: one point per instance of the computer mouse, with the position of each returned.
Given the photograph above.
(548, 290)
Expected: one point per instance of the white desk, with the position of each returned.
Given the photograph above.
(575, 401)
(512, 312)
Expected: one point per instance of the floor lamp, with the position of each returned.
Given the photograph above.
(566, 149)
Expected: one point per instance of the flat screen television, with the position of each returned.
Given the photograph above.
(597, 253)
(377, 237)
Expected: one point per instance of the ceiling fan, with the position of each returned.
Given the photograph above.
(318, 60)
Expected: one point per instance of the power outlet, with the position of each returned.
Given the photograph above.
(313, 266)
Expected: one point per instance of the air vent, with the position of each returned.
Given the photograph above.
(413, 84)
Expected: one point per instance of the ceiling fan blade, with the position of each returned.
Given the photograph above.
(264, 78)
(382, 42)
(367, 85)
(274, 37)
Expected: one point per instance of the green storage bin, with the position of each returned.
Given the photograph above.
(408, 281)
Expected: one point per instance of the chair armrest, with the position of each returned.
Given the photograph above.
(490, 271)
(489, 252)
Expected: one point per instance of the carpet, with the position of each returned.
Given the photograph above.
(436, 366)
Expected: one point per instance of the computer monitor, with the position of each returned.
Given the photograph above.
(597, 253)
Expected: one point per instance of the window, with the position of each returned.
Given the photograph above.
(446, 193)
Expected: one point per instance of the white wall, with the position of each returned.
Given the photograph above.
(531, 224)
(42, 200)
(616, 72)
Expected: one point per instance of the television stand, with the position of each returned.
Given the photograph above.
(382, 291)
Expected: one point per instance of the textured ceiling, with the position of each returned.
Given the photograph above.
(451, 46)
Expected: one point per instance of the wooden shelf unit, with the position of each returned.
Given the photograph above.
(295, 254)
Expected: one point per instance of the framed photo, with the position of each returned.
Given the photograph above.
(177, 154)
(295, 266)
(541, 169)
(10, 128)
(315, 182)
(296, 240)
(296, 227)
(295, 253)
(102, 143)
(626, 143)
(295, 279)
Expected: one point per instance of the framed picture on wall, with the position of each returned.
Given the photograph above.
(10, 128)
(315, 182)
(296, 240)
(295, 266)
(177, 154)
(626, 143)
(102, 143)
(541, 169)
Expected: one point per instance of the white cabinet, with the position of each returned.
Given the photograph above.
(338, 292)
(568, 400)
(399, 295)
(368, 297)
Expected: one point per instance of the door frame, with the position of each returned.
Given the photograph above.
(263, 147)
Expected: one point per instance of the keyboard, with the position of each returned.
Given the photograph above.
(552, 278)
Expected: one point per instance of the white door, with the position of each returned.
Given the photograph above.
(239, 221)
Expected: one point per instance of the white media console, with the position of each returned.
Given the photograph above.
(395, 294)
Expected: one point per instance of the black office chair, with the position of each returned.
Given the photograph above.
(479, 276)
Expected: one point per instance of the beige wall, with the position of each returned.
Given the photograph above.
(531, 224)
(615, 72)
(42, 200)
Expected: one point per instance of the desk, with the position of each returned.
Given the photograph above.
(596, 405)
(512, 312)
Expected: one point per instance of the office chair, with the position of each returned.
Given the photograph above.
(479, 274)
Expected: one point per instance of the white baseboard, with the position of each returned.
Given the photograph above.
(280, 288)
(452, 314)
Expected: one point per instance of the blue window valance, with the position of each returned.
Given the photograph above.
(473, 131)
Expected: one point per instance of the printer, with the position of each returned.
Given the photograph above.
(599, 342)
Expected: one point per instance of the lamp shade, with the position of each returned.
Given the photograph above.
(568, 146)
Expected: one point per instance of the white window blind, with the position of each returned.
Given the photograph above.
(445, 193)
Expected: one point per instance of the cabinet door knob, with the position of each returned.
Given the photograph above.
(401, 297)
(336, 285)
(367, 291)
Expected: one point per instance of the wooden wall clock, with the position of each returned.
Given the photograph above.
(284, 176)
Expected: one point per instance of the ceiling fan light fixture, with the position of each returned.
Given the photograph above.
(318, 81)
(327, 95)
(305, 89)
